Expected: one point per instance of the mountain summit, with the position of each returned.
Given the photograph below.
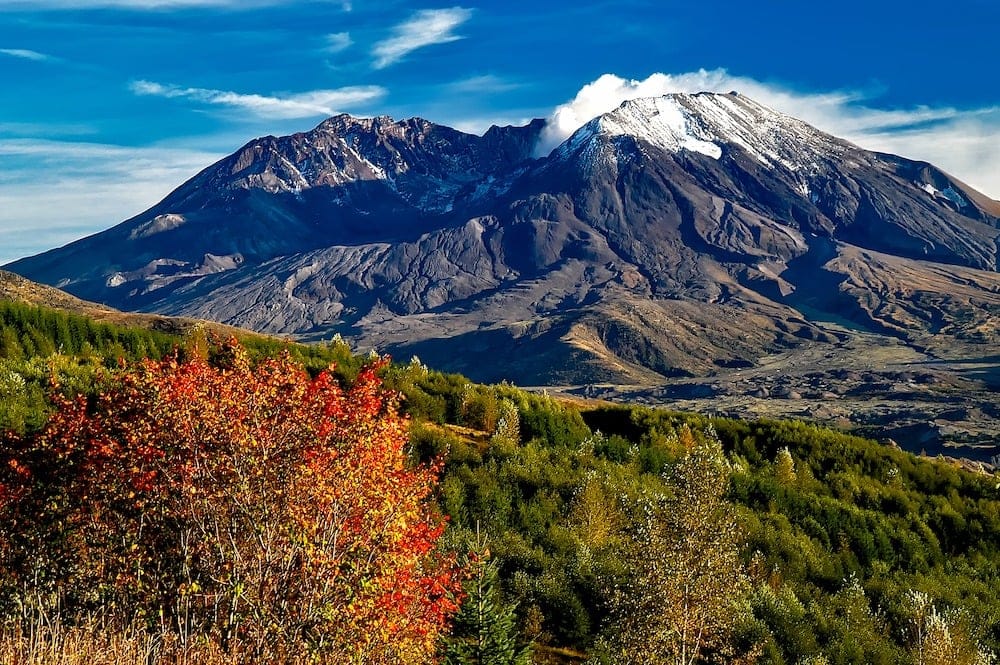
(706, 122)
(673, 236)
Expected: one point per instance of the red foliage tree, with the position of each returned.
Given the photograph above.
(257, 505)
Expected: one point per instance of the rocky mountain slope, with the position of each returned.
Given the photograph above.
(677, 236)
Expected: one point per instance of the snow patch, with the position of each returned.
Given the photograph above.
(158, 224)
(661, 121)
(298, 182)
(948, 193)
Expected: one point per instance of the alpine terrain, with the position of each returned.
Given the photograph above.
(690, 246)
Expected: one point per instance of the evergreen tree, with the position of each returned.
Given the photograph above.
(10, 346)
(485, 629)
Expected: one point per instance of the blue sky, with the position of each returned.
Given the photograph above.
(107, 105)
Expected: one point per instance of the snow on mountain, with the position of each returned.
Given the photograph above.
(707, 122)
(661, 121)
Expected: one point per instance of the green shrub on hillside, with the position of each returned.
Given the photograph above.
(840, 534)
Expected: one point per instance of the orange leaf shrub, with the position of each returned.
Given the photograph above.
(255, 505)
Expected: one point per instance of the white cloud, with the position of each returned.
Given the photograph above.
(962, 142)
(37, 129)
(139, 5)
(337, 42)
(26, 54)
(426, 27)
(53, 192)
(483, 85)
(299, 105)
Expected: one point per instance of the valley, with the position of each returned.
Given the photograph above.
(940, 402)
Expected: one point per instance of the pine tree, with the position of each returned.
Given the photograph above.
(10, 346)
(485, 629)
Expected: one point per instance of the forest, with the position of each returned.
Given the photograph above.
(185, 499)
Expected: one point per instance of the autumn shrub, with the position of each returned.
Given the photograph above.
(251, 504)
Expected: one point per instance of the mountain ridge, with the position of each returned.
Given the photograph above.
(630, 253)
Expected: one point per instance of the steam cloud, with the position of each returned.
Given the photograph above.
(962, 142)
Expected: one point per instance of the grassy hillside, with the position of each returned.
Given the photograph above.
(830, 521)
(40, 346)
(846, 551)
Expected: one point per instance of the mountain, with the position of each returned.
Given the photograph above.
(678, 236)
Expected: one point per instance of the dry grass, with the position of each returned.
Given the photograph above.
(543, 655)
(38, 644)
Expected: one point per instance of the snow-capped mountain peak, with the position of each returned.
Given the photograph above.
(662, 121)
(423, 163)
(707, 123)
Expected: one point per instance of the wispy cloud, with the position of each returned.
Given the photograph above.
(26, 54)
(53, 192)
(483, 85)
(137, 5)
(425, 28)
(298, 105)
(338, 41)
(38, 129)
(960, 141)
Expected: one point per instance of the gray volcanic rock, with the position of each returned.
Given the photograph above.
(349, 180)
(675, 236)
